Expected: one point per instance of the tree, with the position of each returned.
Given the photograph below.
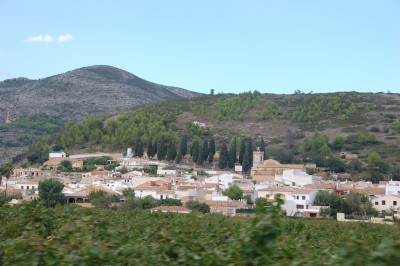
(211, 147)
(6, 170)
(195, 150)
(205, 149)
(250, 151)
(197, 206)
(241, 151)
(374, 160)
(223, 156)
(128, 193)
(65, 166)
(170, 202)
(149, 202)
(171, 155)
(183, 146)
(161, 150)
(50, 192)
(325, 150)
(200, 156)
(261, 205)
(212, 91)
(232, 154)
(150, 150)
(290, 138)
(246, 166)
(102, 199)
(178, 158)
(262, 144)
(234, 192)
(139, 149)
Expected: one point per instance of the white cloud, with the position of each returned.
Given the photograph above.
(64, 38)
(40, 38)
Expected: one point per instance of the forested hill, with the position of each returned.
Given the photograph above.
(81, 93)
(345, 132)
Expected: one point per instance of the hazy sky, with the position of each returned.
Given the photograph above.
(229, 46)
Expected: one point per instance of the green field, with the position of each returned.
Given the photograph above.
(71, 235)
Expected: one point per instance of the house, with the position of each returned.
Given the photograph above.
(177, 209)
(225, 207)
(272, 192)
(28, 172)
(297, 178)
(386, 203)
(392, 188)
(57, 154)
(301, 202)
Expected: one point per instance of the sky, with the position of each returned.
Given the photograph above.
(230, 46)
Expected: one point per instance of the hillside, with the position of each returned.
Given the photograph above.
(337, 131)
(39, 107)
(83, 92)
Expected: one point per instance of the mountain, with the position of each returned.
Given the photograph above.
(83, 92)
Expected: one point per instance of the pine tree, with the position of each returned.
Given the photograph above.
(223, 156)
(155, 149)
(241, 151)
(232, 154)
(183, 147)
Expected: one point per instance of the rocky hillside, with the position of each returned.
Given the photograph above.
(83, 92)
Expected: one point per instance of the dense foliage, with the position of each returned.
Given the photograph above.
(69, 235)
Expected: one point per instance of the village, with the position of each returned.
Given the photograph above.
(268, 179)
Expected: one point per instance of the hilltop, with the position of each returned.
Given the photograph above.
(87, 91)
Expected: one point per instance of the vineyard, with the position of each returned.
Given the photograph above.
(69, 235)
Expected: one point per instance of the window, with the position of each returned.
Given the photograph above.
(376, 203)
(22, 187)
(383, 202)
(297, 197)
(303, 197)
(395, 203)
(27, 187)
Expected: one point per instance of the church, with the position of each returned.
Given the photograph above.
(265, 170)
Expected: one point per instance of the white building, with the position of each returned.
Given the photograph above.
(57, 154)
(297, 178)
(392, 188)
(301, 201)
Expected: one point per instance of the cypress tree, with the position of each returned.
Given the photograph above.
(232, 154)
(205, 150)
(250, 151)
(195, 150)
(211, 147)
(150, 149)
(241, 151)
(200, 156)
(171, 155)
(223, 156)
(183, 147)
(246, 162)
(161, 150)
(262, 144)
(139, 149)
(155, 150)
(178, 158)
(210, 158)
